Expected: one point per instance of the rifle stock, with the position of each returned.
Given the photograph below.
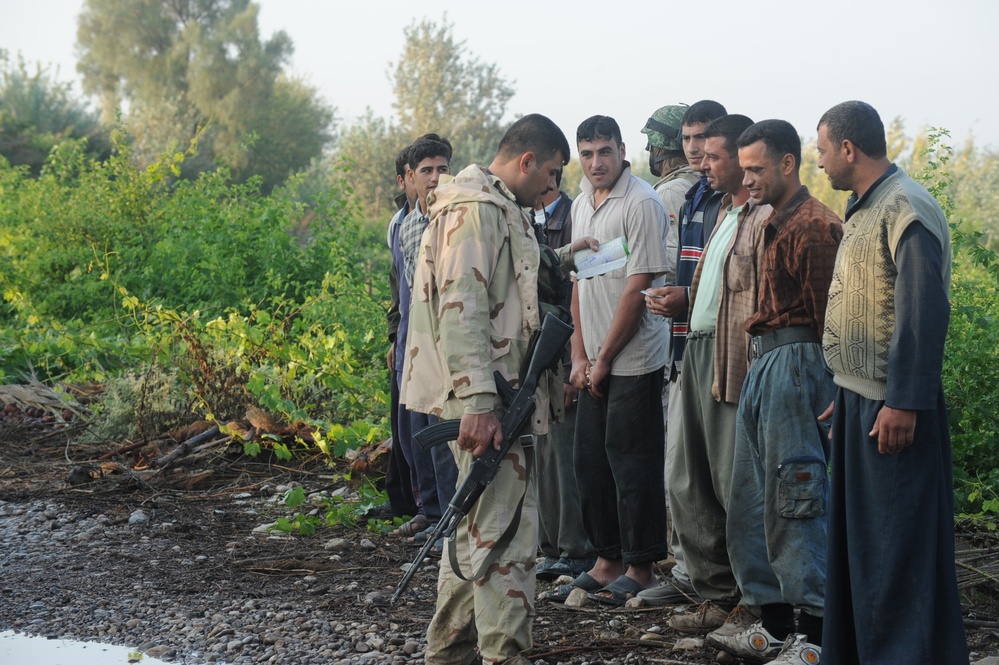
(546, 351)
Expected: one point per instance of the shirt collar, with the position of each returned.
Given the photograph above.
(746, 208)
(778, 218)
(550, 208)
(619, 189)
(854, 203)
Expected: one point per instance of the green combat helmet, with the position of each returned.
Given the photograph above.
(663, 128)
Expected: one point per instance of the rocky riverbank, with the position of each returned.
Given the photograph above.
(201, 590)
(192, 575)
(197, 578)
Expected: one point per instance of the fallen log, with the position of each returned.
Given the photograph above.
(184, 448)
(121, 451)
(984, 575)
(978, 623)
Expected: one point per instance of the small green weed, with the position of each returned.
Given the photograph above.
(338, 511)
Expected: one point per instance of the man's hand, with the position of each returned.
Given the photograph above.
(826, 415)
(570, 393)
(671, 301)
(580, 376)
(599, 373)
(894, 429)
(390, 357)
(586, 242)
(478, 431)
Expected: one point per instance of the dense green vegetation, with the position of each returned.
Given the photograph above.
(971, 357)
(183, 260)
(110, 268)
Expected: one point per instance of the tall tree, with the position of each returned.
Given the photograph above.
(187, 69)
(367, 151)
(440, 87)
(37, 112)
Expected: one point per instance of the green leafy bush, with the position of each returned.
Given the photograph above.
(139, 405)
(201, 245)
(971, 383)
(971, 356)
(248, 299)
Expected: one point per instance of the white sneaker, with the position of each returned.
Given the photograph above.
(752, 643)
(798, 651)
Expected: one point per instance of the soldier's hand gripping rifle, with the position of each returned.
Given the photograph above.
(546, 350)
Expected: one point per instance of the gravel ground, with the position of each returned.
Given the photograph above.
(193, 576)
(152, 579)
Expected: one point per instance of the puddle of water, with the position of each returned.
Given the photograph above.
(21, 649)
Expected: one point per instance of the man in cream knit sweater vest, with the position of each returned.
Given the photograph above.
(891, 593)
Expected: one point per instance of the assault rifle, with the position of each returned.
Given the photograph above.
(544, 353)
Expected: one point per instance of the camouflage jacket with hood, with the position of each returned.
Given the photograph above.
(474, 301)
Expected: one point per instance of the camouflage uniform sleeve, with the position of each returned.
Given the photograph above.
(565, 257)
(469, 239)
(673, 196)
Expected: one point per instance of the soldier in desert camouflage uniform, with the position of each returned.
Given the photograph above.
(475, 304)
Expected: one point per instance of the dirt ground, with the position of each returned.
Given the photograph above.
(206, 503)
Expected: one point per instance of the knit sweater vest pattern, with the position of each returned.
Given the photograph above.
(860, 319)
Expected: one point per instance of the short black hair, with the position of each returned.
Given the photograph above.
(730, 127)
(598, 127)
(779, 136)
(427, 146)
(703, 111)
(402, 161)
(858, 123)
(533, 133)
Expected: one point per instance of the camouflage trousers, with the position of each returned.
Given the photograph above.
(491, 617)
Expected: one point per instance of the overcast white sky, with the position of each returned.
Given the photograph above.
(932, 63)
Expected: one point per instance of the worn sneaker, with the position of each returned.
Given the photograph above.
(798, 651)
(752, 643)
(707, 617)
(737, 621)
(671, 592)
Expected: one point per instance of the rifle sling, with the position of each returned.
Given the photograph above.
(508, 533)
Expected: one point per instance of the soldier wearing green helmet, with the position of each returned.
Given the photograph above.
(663, 130)
(668, 162)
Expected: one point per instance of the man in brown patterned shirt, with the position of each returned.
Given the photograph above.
(776, 524)
(723, 295)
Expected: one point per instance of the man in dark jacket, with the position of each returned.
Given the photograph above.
(563, 541)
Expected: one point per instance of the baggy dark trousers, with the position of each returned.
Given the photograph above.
(620, 449)
(891, 589)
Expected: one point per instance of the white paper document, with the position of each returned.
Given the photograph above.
(611, 255)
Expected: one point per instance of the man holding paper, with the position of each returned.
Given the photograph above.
(619, 350)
